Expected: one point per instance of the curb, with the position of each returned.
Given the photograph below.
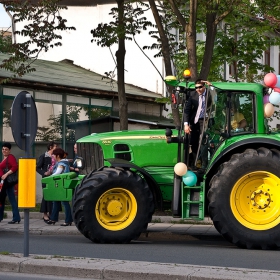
(125, 270)
(155, 219)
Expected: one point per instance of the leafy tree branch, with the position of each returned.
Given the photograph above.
(42, 32)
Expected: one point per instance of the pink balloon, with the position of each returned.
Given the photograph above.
(276, 89)
(266, 99)
(270, 80)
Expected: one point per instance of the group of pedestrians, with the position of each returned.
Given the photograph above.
(53, 162)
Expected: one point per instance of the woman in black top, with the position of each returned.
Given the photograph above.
(43, 167)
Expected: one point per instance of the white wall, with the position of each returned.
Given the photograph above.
(274, 58)
(77, 46)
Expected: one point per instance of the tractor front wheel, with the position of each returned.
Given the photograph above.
(112, 205)
(244, 199)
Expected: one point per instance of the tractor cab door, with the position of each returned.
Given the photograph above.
(230, 114)
(202, 155)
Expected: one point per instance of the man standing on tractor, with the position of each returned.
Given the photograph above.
(195, 118)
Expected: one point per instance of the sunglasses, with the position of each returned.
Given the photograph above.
(199, 87)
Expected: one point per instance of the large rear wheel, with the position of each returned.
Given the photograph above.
(112, 205)
(244, 199)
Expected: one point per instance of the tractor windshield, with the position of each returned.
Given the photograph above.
(233, 109)
(241, 113)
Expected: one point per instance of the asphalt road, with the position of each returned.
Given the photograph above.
(163, 247)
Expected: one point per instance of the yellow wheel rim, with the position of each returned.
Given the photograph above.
(116, 209)
(255, 200)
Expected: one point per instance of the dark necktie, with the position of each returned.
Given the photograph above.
(200, 109)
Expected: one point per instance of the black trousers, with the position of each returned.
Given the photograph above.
(195, 133)
(197, 130)
(46, 206)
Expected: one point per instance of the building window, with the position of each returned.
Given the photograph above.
(231, 70)
(267, 57)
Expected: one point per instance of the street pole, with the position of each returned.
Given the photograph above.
(24, 124)
(27, 155)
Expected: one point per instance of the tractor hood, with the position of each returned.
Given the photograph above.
(125, 135)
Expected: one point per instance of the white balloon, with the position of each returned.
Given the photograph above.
(180, 168)
(274, 97)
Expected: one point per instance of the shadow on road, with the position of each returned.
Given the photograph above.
(175, 238)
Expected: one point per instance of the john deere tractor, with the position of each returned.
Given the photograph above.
(129, 174)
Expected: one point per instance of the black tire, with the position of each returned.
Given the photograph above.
(115, 222)
(244, 199)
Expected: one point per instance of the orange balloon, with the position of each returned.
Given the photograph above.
(268, 110)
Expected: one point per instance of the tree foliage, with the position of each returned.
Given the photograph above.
(95, 113)
(128, 21)
(134, 21)
(243, 39)
(5, 42)
(43, 24)
(190, 18)
(236, 32)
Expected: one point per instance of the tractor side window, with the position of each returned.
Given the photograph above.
(219, 123)
(241, 113)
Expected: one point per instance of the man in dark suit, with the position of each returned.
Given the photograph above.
(194, 115)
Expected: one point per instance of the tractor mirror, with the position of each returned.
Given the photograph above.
(79, 161)
(224, 135)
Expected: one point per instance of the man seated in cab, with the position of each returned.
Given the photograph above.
(238, 121)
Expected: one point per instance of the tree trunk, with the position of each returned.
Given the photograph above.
(211, 32)
(190, 29)
(166, 56)
(120, 55)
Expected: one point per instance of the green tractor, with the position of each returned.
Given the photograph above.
(129, 174)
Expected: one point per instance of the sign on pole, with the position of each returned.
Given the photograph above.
(24, 124)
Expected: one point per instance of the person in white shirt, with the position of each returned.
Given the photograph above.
(194, 115)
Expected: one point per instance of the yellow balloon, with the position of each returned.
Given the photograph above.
(180, 168)
(268, 110)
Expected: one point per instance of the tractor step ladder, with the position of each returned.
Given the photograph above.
(193, 202)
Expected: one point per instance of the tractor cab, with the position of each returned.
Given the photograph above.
(230, 115)
(236, 109)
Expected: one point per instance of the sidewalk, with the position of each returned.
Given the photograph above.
(88, 268)
(159, 224)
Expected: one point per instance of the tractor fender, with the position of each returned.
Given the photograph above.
(154, 187)
(239, 147)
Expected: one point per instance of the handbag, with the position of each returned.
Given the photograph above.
(11, 179)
